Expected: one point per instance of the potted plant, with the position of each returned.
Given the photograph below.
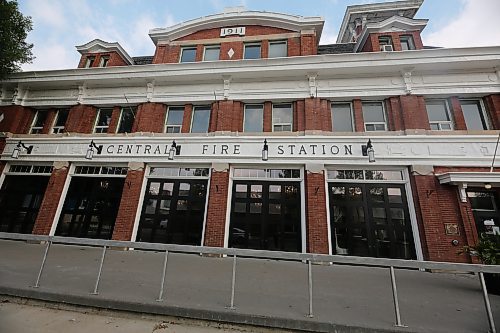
(487, 250)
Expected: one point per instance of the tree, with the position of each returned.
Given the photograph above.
(14, 28)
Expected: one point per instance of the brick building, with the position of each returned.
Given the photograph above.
(242, 131)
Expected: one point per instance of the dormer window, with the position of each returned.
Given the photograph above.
(385, 43)
(90, 62)
(407, 43)
(188, 54)
(104, 61)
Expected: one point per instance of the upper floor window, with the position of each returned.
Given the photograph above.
(127, 117)
(103, 120)
(89, 62)
(60, 122)
(407, 43)
(474, 114)
(342, 120)
(253, 118)
(282, 117)
(104, 61)
(439, 115)
(188, 54)
(278, 49)
(201, 117)
(374, 116)
(175, 115)
(38, 122)
(211, 53)
(385, 43)
(252, 51)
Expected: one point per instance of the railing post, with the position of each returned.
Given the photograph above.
(310, 283)
(395, 298)
(233, 281)
(37, 283)
(487, 303)
(100, 270)
(160, 296)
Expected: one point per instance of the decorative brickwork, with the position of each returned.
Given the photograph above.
(317, 223)
(150, 118)
(81, 119)
(217, 204)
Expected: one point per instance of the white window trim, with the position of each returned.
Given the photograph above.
(101, 61)
(353, 125)
(281, 41)
(282, 124)
(38, 128)
(97, 121)
(245, 114)
(411, 42)
(376, 122)
(166, 119)
(122, 108)
(439, 123)
(210, 47)
(89, 61)
(483, 110)
(252, 44)
(59, 129)
(182, 51)
(192, 117)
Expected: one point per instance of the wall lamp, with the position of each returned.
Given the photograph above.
(90, 150)
(174, 150)
(368, 151)
(17, 150)
(265, 151)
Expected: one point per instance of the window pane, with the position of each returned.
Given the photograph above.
(254, 117)
(126, 120)
(407, 43)
(62, 116)
(188, 54)
(373, 112)
(437, 111)
(40, 118)
(277, 49)
(282, 117)
(342, 117)
(211, 53)
(201, 116)
(473, 114)
(252, 51)
(104, 117)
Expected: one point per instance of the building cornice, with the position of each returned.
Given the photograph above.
(100, 46)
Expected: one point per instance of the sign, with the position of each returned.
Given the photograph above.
(232, 31)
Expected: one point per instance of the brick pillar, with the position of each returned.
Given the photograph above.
(393, 108)
(48, 208)
(317, 223)
(81, 119)
(312, 114)
(238, 110)
(308, 44)
(268, 117)
(414, 113)
(150, 118)
(493, 108)
(217, 204)
(167, 54)
(115, 119)
(293, 47)
(199, 52)
(186, 120)
(458, 115)
(300, 112)
(49, 121)
(17, 119)
(237, 49)
(129, 202)
(359, 123)
(264, 49)
(214, 114)
(225, 115)
(326, 116)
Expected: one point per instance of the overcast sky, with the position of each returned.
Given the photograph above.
(59, 25)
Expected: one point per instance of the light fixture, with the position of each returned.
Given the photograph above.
(17, 150)
(487, 186)
(265, 151)
(90, 150)
(174, 150)
(368, 151)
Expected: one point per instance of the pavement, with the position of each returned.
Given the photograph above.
(268, 293)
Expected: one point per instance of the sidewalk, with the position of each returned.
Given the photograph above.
(268, 293)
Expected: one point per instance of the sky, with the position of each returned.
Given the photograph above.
(60, 25)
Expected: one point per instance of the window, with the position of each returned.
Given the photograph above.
(103, 120)
(127, 117)
(201, 117)
(439, 115)
(342, 120)
(211, 53)
(38, 122)
(174, 119)
(90, 62)
(278, 49)
(104, 61)
(188, 54)
(474, 114)
(61, 117)
(374, 116)
(282, 117)
(385, 43)
(252, 51)
(407, 43)
(253, 118)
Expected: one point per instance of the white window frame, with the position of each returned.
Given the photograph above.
(376, 122)
(192, 117)
(245, 113)
(173, 126)
(389, 40)
(278, 42)
(252, 44)
(440, 123)
(217, 46)
(353, 127)
(101, 128)
(37, 129)
(281, 123)
(89, 61)
(120, 118)
(104, 61)
(483, 110)
(58, 129)
(410, 42)
(182, 52)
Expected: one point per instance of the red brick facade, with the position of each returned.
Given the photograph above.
(81, 119)
(317, 223)
(114, 59)
(217, 204)
(150, 118)
(372, 41)
(17, 119)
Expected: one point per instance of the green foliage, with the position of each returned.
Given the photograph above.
(14, 28)
(487, 249)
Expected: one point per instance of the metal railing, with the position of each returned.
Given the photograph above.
(309, 258)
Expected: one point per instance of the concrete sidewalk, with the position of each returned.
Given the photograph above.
(268, 293)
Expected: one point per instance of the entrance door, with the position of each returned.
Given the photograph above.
(91, 207)
(20, 199)
(370, 220)
(265, 216)
(173, 211)
(485, 210)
